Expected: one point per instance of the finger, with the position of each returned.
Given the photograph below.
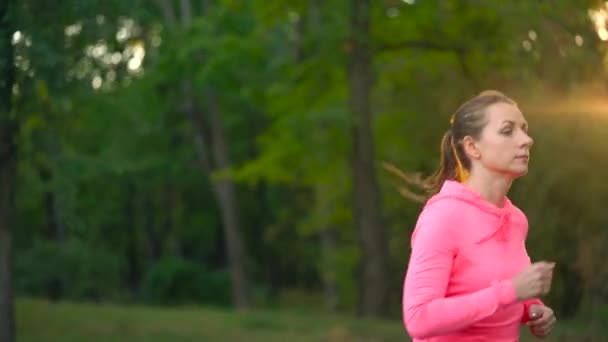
(542, 328)
(540, 332)
(545, 288)
(551, 322)
(546, 276)
(539, 322)
(535, 311)
(546, 327)
(542, 265)
(545, 265)
(546, 330)
(546, 272)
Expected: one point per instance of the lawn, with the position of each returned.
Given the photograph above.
(40, 321)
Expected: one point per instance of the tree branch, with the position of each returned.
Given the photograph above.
(167, 10)
(459, 51)
(418, 44)
(466, 71)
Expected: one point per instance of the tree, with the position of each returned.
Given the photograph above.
(211, 142)
(8, 158)
(372, 235)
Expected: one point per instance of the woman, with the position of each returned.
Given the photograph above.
(469, 276)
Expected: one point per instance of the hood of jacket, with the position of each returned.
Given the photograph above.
(457, 191)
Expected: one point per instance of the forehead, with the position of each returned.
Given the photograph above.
(499, 113)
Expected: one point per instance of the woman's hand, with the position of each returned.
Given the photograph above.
(534, 281)
(541, 320)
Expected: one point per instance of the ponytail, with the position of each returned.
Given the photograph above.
(450, 164)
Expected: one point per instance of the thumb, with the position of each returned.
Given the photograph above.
(544, 264)
(535, 312)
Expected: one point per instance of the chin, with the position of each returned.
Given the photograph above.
(514, 172)
(520, 172)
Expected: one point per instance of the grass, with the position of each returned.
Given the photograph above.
(41, 321)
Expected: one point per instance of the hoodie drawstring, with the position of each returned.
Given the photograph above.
(503, 226)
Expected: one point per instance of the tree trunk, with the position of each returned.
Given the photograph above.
(213, 154)
(154, 238)
(7, 180)
(168, 220)
(372, 236)
(330, 286)
(225, 191)
(132, 251)
(8, 155)
(56, 226)
(324, 210)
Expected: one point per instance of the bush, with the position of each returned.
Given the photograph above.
(70, 269)
(174, 281)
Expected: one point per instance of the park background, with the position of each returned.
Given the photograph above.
(201, 170)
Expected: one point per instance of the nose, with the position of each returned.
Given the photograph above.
(527, 140)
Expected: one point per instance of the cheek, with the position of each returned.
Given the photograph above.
(493, 151)
(496, 155)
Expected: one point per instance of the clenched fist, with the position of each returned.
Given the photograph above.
(534, 281)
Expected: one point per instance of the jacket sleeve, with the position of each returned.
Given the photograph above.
(426, 310)
(526, 304)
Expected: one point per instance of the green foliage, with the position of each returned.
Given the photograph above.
(117, 171)
(67, 270)
(174, 281)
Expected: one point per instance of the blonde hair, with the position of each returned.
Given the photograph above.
(468, 120)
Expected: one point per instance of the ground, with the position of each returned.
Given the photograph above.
(40, 321)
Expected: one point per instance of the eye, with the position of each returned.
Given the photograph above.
(507, 130)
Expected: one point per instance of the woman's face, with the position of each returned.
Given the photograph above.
(504, 144)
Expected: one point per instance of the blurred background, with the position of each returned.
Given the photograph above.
(217, 170)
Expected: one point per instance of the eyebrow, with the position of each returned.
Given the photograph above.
(525, 123)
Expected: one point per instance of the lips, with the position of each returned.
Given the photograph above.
(523, 157)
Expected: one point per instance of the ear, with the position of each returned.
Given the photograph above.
(470, 148)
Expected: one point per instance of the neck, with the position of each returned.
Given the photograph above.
(492, 188)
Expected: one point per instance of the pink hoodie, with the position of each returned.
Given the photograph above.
(458, 285)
